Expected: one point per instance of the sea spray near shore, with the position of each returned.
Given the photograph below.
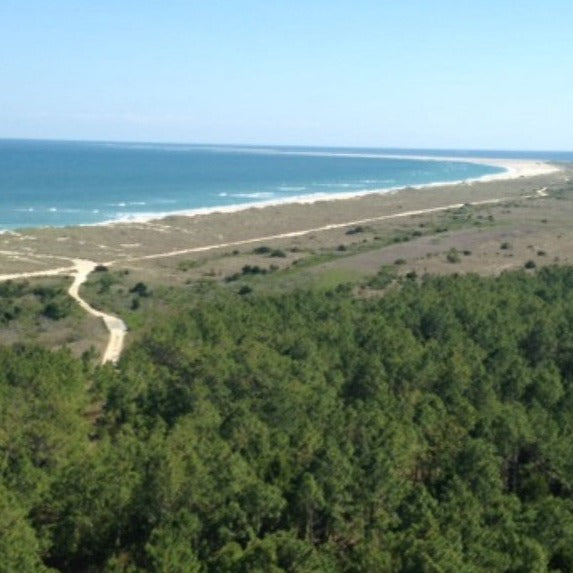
(60, 183)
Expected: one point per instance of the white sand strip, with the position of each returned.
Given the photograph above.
(514, 169)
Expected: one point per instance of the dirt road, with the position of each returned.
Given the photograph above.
(80, 270)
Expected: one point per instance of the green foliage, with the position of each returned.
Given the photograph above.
(253, 270)
(188, 265)
(453, 256)
(20, 301)
(140, 289)
(106, 281)
(426, 430)
(262, 250)
(383, 278)
(57, 310)
(42, 397)
(19, 546)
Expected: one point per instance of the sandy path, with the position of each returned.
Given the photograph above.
(538, 193)
(115, 326)
(80, 271)
(32, 274)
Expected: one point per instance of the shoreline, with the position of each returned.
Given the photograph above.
(513, 169)
(37, 249)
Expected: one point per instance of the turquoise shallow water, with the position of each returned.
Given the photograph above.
(70, 183)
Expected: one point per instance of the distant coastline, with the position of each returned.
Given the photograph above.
(62, 184)
(512, 169)
(38, 250)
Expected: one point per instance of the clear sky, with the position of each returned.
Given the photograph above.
(492, 74)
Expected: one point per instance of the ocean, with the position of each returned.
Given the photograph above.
(47, 183)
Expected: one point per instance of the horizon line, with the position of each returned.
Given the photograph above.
(280, 145)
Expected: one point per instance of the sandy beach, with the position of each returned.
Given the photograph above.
(513, 169)
(37, 250)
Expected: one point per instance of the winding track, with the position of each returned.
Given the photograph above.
(80, 271)
(115, 326)
(117, 329)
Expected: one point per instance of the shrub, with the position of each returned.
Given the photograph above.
(11, 288)
(44, 292)
(530, 264)
(356, 230)
(140, 289)
(278, 253)
(263, 250)
(106, 281)
(253, 270)
(56, 311)
(9, 312)
(453, 256)
(187, 265)
(382, 278)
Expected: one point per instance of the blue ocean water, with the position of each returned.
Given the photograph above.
(44, 183)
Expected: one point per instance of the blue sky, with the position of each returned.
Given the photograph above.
(443, 74)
